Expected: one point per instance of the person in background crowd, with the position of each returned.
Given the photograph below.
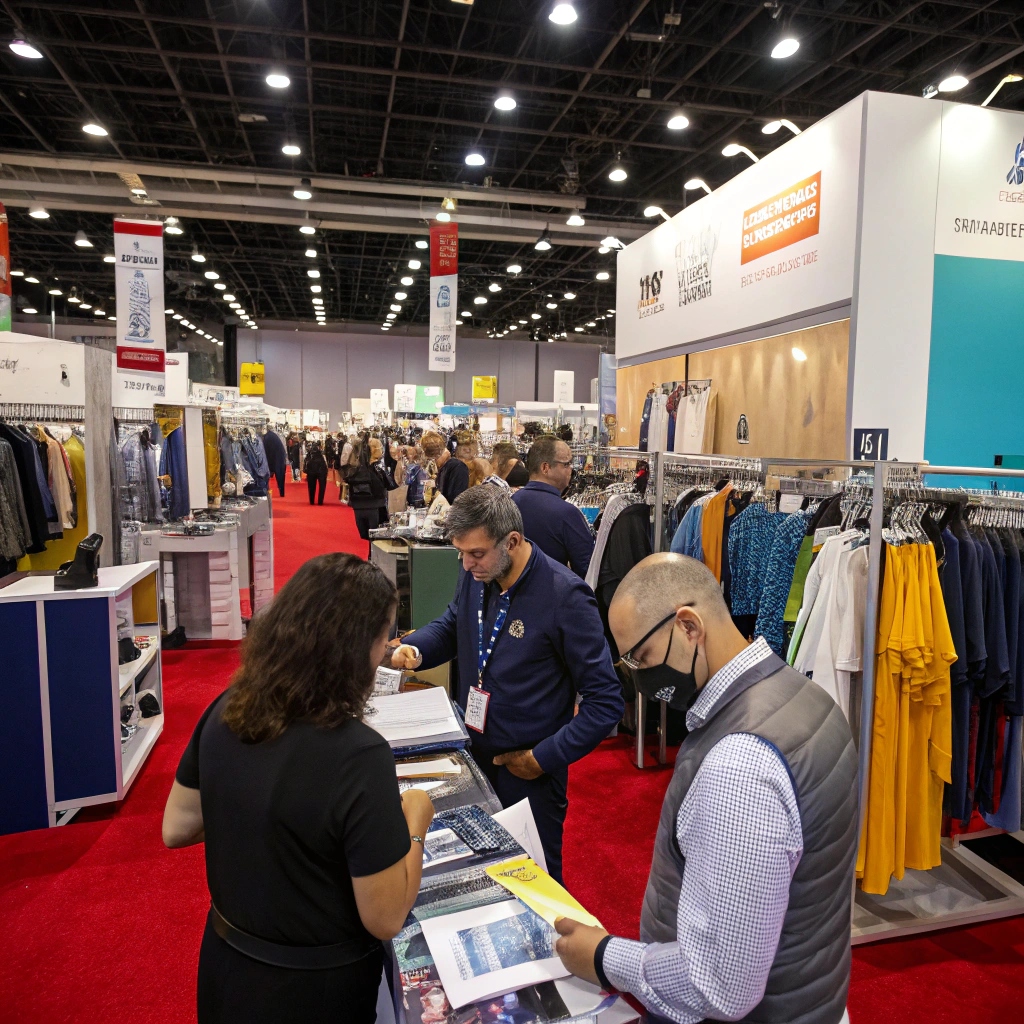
(546, 647)
(452, 473)
(479, 471)
(315, 468)
(368, 486)
(556, 526)
(505, 463)
(415, 475)
(295, 456)
(277, 457)
(306, 881)
(747, 911)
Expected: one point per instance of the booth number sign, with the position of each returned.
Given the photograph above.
(870, 444)
(250, 379)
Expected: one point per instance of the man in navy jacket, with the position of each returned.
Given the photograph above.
(529, 639)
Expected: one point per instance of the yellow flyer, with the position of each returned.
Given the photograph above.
(539, 891)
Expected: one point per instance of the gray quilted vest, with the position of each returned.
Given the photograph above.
(809, 978)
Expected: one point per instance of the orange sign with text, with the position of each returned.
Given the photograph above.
(788, 217)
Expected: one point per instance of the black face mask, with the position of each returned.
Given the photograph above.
(663, 682)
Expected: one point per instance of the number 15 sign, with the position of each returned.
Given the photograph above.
(870, 445)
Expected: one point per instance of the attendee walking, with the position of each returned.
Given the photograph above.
(556, 526)
(747, 911)
(312, 856)
(529, 641)
(315, 468)
(368, 486)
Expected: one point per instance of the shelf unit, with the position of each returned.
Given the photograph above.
(63, 692)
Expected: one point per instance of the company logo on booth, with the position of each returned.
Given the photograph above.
(1016, 175)
(650, 294)
(444, 297)
(782, 220)
(693, 265)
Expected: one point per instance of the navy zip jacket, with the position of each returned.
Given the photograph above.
(556, 526)
(550, 648)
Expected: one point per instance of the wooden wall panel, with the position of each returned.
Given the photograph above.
(794, 409)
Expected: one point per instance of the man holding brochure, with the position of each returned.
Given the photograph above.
(529, 640)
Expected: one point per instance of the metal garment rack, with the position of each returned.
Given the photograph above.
(42, 412)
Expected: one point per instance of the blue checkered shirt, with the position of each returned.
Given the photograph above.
(739, 830)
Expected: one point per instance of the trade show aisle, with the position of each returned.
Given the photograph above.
(101, 923)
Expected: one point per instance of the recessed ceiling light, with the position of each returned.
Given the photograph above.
(505, 101)
(415, 264)
(95, 129)
(552, 305)
(535, 316)
(173, 226)
(168, 312)
(443, 216)
(17, 273)
(494, 287)
(579, 330)
(475, 159)
(311, 253)
(407, 281)
(212, 275)
(569, 295)
(522, 321)
(308, 229)
(290, 149)
(316, 289)
(602, 275)
(514, 269)
(575, 221)
(480, 300)
(954, 83)
(278, 80)
(401, 296)
(228, 298)
(82, 241)
(23, 49)
(678, 122)
(38, 213)
(30, 309)
(785, 48)
(111, 317)
(465, 313)
(422, 244)
(562, 14)
(220, 286)
(313, 273)
(391, 316)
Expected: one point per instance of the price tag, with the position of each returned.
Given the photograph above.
(476, 708)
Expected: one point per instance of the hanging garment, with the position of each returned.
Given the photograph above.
(645, 422)
(672, 407)
(255, 457)
(211, 457)
(688, 537)
(140, 494)
(616, 504)
(277, 457)
(173, 463)
(629, 543)
(712, 530)
(26, 460)
(14, 526)
(750, 545)
(657, 434)
(778, 580)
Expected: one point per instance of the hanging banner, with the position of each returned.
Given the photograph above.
(139, 285)
(444, 295)
(485, 389)
(5, 273)
(251, 380)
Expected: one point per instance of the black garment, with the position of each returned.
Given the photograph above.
(315, 477)
(368, 519)
(277, 457)
(453, 479)
(24, 458)
(290, 821)
(368, 488)
(629, 541)
(233, 989)
(518, 476)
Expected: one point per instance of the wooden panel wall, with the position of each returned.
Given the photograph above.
(794, 409)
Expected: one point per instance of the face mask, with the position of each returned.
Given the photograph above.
(663, 682)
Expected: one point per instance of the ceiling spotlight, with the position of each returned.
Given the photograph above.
(522, 321)
(23, 49)
(773, 126)
(111, 317)
(505, 101)
(138, 190)
(75, 300)
(695, 183)
(422, 243)
(30, 309)
(81, 241)
(290, 149)
(475, 159)
(562, 14)
(56, 291)
(99, 312)
(678, 122)
(228, 298)
(569, 295)
(480, 300)
(197, 256)
(799, 354)
(734, 149)
(465, 313)
(578, 330)
(392, 316)
(458, 323)
(513, 268)
(656, 211)
(311, 253)
(110, 258)
(535, 316)
(602, 249)
(313, 273)
(612, 242)
(602, 275)
(31, 280)
(617, 173)
(38, 212)
(394, 307)
(544, 242)
(85, 305)
(591, 323)
(1005, 80)
(443, 216)
(406, 281)
(414, 264)
(177, 316)
(494, 287)
(552, 305)
(173, 226)
(220, 286)
(17, 273)
(315, 289)
(95, 129)
(277, 80)
(401, 296)
(575, 221)
(212, 275)
(953, 84)
(785, 48)
(319, 302)
(308, 229)
(303, 191)
(236, 305)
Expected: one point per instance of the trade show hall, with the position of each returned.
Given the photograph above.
(511, 514)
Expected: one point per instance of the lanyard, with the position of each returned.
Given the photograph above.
(483, 657)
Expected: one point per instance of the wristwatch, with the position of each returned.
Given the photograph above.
(417, 839)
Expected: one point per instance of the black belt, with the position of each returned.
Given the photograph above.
(302, 958)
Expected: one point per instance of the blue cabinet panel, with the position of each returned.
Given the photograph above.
(23, 803)
(81, 698)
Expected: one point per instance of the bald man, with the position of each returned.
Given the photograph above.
(747, 911)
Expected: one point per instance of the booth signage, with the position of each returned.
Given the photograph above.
(564, 387)
(139, 286)
(405, 398)
(251, 379)
(218, 394)
(786, 218)
(870, 444)
(5, 273)
(444, 295)
(485, 389)
(379, 400)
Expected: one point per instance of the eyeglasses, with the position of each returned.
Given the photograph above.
(559, 462)
(629, 658)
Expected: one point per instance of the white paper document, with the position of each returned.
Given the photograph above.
(427, 769)
(417, 715)
(488, 951)
(442, 846)
(387, 680)
(519, 822)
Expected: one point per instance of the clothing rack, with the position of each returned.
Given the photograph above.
(237, 419)
(42, 412)
(128, 414)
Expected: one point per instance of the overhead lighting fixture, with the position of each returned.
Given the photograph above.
(173, 226)
(99, 312)
(74, 299)
(544, 242)
(95, 129)
(591, 323)
(458, 323)
(578, 330)
(82, 241)
(1005, 80)
(475, 159)
(522, 321)
(278, 80)
(612, 242)
(799, 354)
(656, 211)
(313, 273)
(569, 295)
(111, 317)
(617, 173)
(563, 14)
(734, 149)
(421, 243)
(406, 281)
(290, 149)
(785, 48)
(494, 287)
(236, 305)
(110, 258)
(443, 216)
(678, 122)
(220, 286)
(56, 291)
(31, 280)
(316, 289)
(466, 313)
(38, 212)
(401, 296)
(392, 316)
(311, 253)
(177, 316)
(552, 305)
(303, 191)
(394, 307)
(505, 101)
(197, 256)
(695, 183)
(513, 268)
(414, 264)
(212, 275)
(575, 221)
(228, 298)
(773, 126)
(23, 49)
(602, 275)
(954, 83)
(603, 249)
(308, 229)
(17, 273)
(535, 316)
(480, 300)
(85, 305)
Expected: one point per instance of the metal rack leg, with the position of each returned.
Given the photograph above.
(662, 731)
(641, 728)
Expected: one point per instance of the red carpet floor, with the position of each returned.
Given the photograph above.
(99, 923)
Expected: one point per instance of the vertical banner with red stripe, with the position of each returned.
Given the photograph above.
(444, 295)
(5, 272)
(141, 334)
